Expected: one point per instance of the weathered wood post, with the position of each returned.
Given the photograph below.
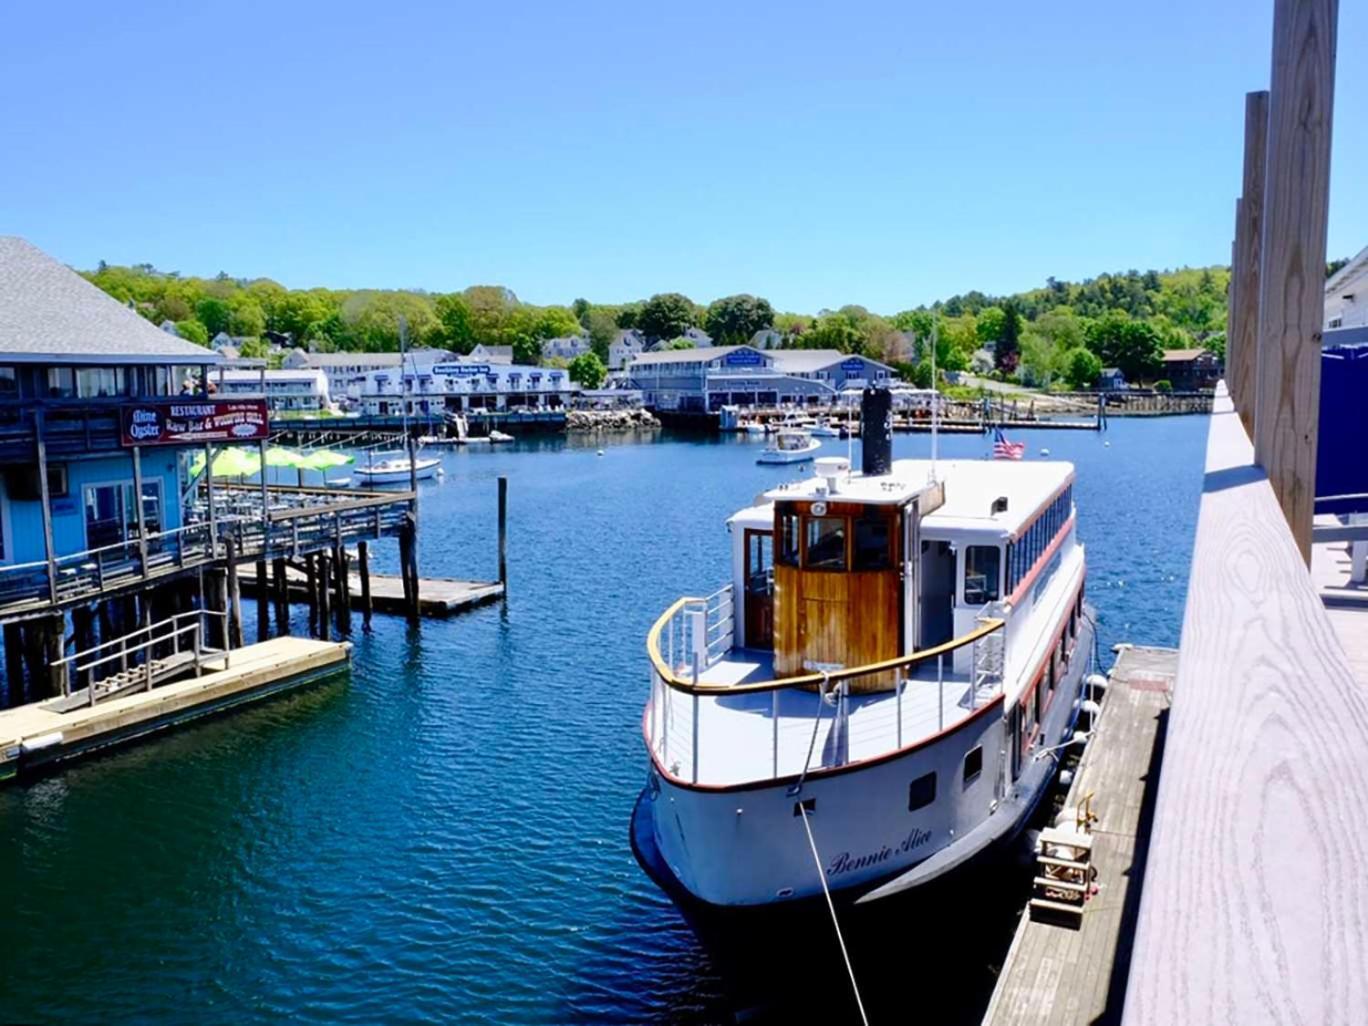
(342, 588)
(217, 584)
(324, 605)
(282, 595)
(503, 532)
(363, 561)
(235, 638)
(311, 591)
(83, 638)
(1292, 279)
(54, 636)
(14, 663)
(1243, 329)
(263, 596)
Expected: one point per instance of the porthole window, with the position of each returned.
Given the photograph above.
(921, 792)
(973, 764)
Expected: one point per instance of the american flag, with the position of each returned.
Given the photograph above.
(1005, 450)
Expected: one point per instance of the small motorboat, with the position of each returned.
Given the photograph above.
(789, 446)
(396, 470)
(825, 429)
(499, 436)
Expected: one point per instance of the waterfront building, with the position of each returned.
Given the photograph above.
(286, 391)
(1111, 380)
(346, 372)
(566, 348)
(482, 353)
(1189, 370)
(103, 526)
(628, 343)
(462, 385)
(1346, 295)
(705, 380)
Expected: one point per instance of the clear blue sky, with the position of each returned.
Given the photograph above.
(817, 154)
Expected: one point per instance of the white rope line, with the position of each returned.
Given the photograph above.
(821, 874)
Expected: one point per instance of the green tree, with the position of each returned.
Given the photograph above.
(680, 343)
(193, 331)
(214, 314)
(246, 317)
(992, 321)
(834, 331)
(1131, 345)
(458, 331)
(734, 320)
(665, 315)
(1081, 368)
(1007, 352)
(588, 370)
(601, 324)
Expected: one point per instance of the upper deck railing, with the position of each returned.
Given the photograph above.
(696, 634)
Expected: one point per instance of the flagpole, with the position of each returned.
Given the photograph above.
(935, 404)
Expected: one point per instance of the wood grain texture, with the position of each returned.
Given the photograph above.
(1292, 276)
(1249, 239)
(1234, 354)
(1255, 905)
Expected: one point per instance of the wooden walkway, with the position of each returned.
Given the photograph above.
(437, 596)
(38, 734)
(1060, 976)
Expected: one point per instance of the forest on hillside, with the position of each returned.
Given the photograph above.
(1060, 332)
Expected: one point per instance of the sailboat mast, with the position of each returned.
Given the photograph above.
(935, 402)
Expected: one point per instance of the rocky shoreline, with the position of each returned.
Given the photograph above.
(609, 420)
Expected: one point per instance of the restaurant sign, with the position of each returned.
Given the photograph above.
(190, 420)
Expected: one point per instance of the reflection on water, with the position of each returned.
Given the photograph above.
(443, 835)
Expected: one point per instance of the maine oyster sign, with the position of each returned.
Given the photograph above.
(189, 420)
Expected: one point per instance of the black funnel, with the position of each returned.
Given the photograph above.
(876, 432)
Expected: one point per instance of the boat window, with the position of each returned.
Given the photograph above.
(826, 543)
(973, 764)
(871, 544)
(788, 540)
(921, 792)
(981, 570)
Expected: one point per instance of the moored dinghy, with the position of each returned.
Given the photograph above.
(893, 667)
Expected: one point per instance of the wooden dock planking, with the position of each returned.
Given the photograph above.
(37, 734)
(1057, 975)
(437, 596)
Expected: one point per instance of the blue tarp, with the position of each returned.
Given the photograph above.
(1342, 449)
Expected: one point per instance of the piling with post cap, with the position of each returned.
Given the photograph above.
(235, 638)
(1292, 278)
(503, 531)
(363, 568)
(1243, 329)
(282, 595)
(263, 594)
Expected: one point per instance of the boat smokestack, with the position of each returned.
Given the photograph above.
(876, 432)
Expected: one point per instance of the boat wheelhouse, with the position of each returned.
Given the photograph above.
(894, 664)
(790, 445)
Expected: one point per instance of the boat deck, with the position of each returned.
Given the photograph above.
(1346, 603)
(737, 734)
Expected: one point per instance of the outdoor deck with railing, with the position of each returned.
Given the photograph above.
(297, 521)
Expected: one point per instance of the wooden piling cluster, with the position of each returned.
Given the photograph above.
(1277, 301)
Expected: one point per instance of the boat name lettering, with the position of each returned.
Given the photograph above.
(845, 862)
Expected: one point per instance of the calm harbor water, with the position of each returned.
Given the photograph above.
(442, 835)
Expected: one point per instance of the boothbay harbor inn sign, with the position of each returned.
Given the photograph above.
(182, 421)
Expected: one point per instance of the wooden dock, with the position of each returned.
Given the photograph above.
(1062, 976)
(437, 596)
(37, 735)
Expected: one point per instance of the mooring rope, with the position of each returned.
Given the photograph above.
(831, 907)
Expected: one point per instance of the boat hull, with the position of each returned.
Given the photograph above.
(425, 471)
(746, 847)
(796, 456)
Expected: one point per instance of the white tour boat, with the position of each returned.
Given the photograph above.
(895, 667)
(395, 470)
(789, 446)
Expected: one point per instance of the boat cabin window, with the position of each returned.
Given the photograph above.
(973, 764)
(921, 792)
(982, 571)
(826, 543)
(872, 549)
(789, 552)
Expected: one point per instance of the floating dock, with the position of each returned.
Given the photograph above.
(437, 596)
(37, 735)
(1061, 976)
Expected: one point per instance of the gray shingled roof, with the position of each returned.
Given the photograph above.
(50, 314)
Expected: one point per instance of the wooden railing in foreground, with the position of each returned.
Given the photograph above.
(1255, 900)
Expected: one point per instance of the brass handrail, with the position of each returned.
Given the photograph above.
(667, 676)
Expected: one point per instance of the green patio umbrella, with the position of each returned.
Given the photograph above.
(326, 459)
(279, 456)
(230, 462)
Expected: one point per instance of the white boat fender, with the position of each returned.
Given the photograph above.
(1096, 680)
(1080, 737)
(1044, 452)
(1091, 708)
(37, 744)
(1066, 778)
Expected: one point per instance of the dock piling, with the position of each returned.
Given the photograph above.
(282, 595)
(363, 560)
(342, 585)
(324, 592)
(503, 531)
